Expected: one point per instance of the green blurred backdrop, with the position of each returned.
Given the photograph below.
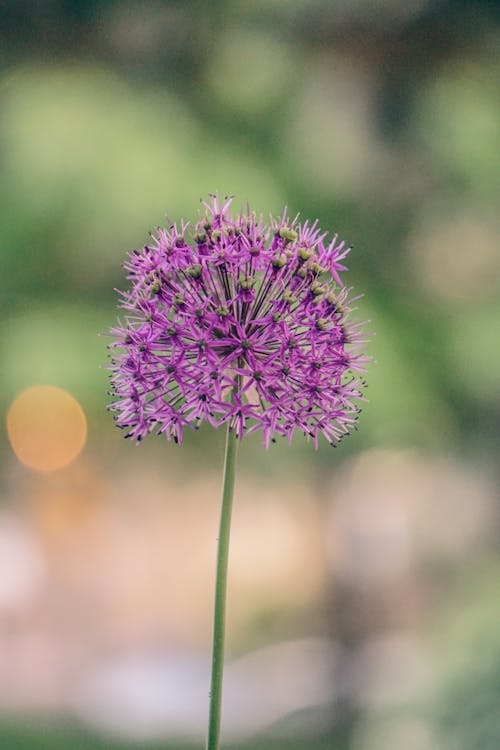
(365, 582)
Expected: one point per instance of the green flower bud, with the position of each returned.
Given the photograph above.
(316, 269)
(289, 235)
(289, 298)
(334, 304)
(156, 286)
(194, 271)
(279, 261)
(304, 253)
(246, 282)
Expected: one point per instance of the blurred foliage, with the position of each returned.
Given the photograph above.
(466, 701)
(94, 152)
(58, 737)
(115, 115)
(379, 118)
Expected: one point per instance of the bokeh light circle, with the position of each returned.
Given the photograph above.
(47, 427)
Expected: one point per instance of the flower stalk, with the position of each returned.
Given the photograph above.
(220, 592)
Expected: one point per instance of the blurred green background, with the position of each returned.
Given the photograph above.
(364, 582)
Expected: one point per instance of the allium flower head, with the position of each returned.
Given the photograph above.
(237, 321)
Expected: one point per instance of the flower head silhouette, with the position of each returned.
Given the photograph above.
(241, 322)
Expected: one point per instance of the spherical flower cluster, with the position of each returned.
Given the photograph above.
(237, 321)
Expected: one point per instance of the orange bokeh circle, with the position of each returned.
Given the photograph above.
(47, 427)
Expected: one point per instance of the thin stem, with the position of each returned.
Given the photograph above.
(220, 592)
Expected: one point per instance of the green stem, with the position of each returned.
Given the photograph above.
(220, 592)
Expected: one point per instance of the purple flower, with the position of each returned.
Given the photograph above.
(238, 321)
